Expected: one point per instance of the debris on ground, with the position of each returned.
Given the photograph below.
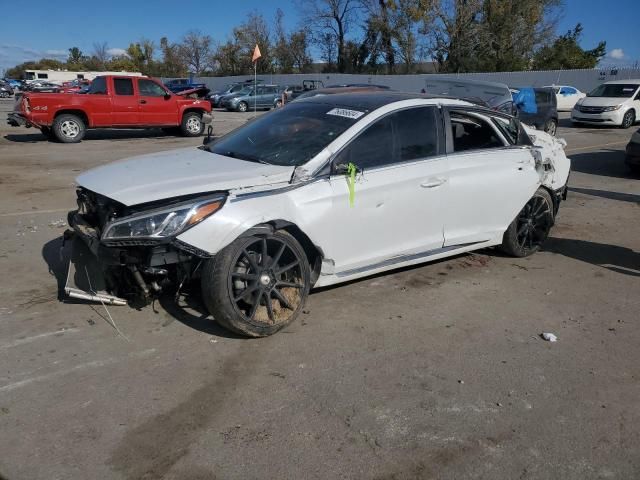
(549, 337)
(60, 223)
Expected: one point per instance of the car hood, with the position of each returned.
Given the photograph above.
(174, 173)
(602, 101)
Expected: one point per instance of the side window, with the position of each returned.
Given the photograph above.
(402, 136)
(508, 127)
(416, 133)
(472, 133)
(570, 90)
(372, 148)
(43, 75)
(123, 86)
(150, 88)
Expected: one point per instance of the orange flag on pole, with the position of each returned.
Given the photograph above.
(256, 53)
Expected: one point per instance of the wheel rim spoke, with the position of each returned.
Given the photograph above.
(269, 305)
(277, 256)
(283, 301)
(289, 284)
(264, 253)
(255, 306)
(244, 276)
(246, 292)
(252, 262)
(287, 267)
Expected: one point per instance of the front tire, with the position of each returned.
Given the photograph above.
(192, 125)
(68, 128)
(242, 107)
(258, 284)
(628, 119)
(531, 227)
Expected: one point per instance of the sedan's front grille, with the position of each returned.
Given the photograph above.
(591, 109)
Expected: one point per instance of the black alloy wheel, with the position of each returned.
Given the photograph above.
(531, 227)
(258, 284)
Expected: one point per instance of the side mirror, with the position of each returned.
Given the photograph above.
(167, 96)
(343, 169)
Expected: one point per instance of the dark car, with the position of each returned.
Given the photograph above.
(537, 107)
(5, 90)
(231, 88)
(42, 87)
(632, 157)
(180, 84)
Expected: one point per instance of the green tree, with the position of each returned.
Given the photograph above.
(566, 53)
(75, 55)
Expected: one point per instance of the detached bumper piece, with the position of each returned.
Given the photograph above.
(16, 120)
(85, 280)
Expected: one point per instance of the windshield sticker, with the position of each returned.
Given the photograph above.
(343, 112)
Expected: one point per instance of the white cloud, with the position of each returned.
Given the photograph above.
(116, 52)
(616, 54)
(56, 53)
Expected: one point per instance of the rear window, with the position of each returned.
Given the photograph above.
(98, 86)
(123, 86)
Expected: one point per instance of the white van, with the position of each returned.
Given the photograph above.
(612, 103)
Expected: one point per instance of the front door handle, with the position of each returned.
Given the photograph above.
(143, 101)
(433, 182)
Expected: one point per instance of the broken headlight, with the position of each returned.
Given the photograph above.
(162, 223)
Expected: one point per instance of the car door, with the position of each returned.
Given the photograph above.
(98, 103)
(124, 102)
(396, 209)
(155, 105)
(567, 98)
(491, 173)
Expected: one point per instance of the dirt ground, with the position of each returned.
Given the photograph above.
(429, 372)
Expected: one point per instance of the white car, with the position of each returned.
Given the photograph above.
(566, 96)
(612, 103)
(326, 190)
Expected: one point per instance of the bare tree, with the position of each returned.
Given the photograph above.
(196, 50)
(101, 53)
(330, 20)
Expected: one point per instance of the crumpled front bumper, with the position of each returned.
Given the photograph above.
(16, 119)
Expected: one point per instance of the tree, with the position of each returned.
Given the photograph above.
(254, 31)
(172, 64)
(196, 49)
(101, 53)
(330, 21)
(565, 53)
(75, 55)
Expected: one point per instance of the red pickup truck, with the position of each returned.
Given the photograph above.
(111, 102)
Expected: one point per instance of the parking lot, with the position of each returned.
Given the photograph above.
(436, 371)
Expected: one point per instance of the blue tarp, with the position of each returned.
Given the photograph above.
(525, 100)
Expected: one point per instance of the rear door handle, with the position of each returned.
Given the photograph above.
(433, 182)
(143, 101)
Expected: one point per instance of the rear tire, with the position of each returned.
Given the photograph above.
(531, 227)
(258, 284)
(192, 125)
(68, 128)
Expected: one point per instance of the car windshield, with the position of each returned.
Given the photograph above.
(289, 136)
(614, 90)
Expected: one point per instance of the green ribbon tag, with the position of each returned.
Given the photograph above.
(351, 181)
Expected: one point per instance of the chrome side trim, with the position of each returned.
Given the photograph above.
(403, 258)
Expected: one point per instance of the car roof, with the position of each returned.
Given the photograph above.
(372, 100)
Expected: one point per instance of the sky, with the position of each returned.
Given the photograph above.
(45, 28)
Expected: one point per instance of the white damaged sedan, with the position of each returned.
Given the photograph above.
(326, 190)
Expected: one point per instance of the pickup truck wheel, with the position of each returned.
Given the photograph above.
(192, 125)
(531, 227)
(68, 128)
(258, 284)
(242, 107)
